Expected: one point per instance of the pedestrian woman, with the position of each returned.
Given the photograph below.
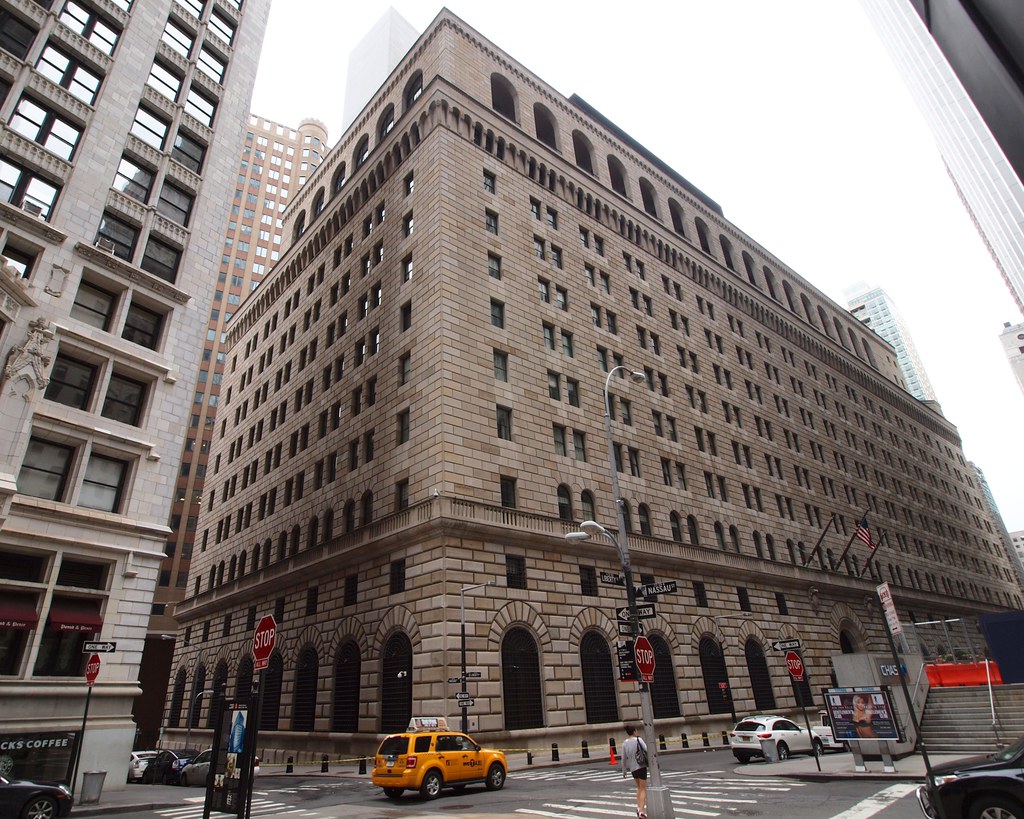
(634, 761)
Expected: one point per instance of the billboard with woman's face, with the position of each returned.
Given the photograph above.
(861, 714)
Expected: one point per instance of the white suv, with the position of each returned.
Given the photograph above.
(788, 737)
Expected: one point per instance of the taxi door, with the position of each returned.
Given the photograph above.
(449, 752)
(471, 762)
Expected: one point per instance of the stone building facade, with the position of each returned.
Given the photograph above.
(413, 404)
(121, 125)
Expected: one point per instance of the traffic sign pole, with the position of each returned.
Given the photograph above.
(92, 670)
(263, 640)
(798, 671)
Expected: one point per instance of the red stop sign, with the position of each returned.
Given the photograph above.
(795, 665)
(263, 640)
(92, 669)
(644, 658)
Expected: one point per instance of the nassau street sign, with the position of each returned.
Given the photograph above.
(644, 611)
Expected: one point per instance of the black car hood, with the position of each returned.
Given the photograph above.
(974, 763)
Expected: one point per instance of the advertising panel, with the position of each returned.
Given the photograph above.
(231, 761)
(864, 714)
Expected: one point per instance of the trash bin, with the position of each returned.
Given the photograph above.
(769, 750)
(92, 787)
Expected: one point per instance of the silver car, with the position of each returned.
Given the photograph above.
(198, 770)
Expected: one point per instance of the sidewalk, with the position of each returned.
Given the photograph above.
(840, 766)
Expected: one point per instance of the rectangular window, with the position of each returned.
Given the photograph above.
(403, 426)
(44, 472)
(164, 81)
(221, 28)
(491, 222)
(71, 382)
(67, 72)
(743, 597)
(588, 581)
(579, 445)
(700, 594)
(402, 495)
(150, 128)
(211, 65)
(515, 571)
(188, 151)
(125, 400)
(780, 602)
(121, 234)
(497, 313)
(133, 180)
(88, 23)
(397, 584)
(558, 434)
(20, 187)
(200, 106)
(351, 589)
(103, 484)
(500, 365)
(572, 391)
(490, 184)
(175, 204)
(177, 39)
(43, 126)
(504, 423)
(93, 305)
(142, 326)
(15, 36)
(493, 266)
(161, 259)
(508, 492)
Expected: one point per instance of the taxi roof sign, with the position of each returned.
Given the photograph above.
(428, 724)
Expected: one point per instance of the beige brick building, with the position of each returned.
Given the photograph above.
(413, 403)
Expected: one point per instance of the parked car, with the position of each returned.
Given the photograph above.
(198, 770)
(137, 765)
(823, 731)
(429, 761)
(166, 767)
(33, 800)
(787, 737)
(980, 787)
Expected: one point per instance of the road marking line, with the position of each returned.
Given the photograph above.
(881, 800)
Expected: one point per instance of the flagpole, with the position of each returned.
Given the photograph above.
(854, 535)
(871, 552)
(817, 545)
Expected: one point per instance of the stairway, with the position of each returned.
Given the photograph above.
(959, 720)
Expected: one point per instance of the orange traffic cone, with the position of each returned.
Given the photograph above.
(611, 755)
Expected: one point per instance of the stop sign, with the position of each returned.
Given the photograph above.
(92, 669)
(263, 640)
(644, 658)
(795, 665)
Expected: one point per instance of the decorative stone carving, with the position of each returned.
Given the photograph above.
(29, 362)
(814, 595)
(58, 280)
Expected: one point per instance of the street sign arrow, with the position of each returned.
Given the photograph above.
(466, 703)
(644, 611)
(454, 680)
(650, 589)
(98, 648)
(613, 579)
(627, 629)
(462, 695)
(473, 674)
(785, 645)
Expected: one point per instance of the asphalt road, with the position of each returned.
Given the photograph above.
(703, 784)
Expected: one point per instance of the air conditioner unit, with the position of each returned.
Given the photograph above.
(32, 208)
(105, 244)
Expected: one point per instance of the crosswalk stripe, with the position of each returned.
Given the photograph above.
(867, 808)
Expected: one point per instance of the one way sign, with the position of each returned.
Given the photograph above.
(643, 612)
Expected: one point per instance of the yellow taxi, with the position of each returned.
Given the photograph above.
(428, 758)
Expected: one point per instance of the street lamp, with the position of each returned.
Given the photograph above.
(462, 621)
(659, 800)
(191, 707)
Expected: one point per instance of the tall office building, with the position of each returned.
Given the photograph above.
(873, 307)
(413, 406)
(122, 122)
(964, 65)
(997, 521)
(373, 58)
(1012, 339)
(275, 161)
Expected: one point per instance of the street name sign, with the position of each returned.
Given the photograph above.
(627, 629)
(98, 648)
(473, 674)
(454, 680)
(613, 579)
(785, 645)
(644, 611)
(650, 589)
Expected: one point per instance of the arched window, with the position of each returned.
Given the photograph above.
(791, 548)
(304, 703)
(300, 226)
(617, 176)
(362, 152)
(758, 548)
(232, 567)
(385, 123)
(282, 546)
(328, 524)
(220, 684)
(691, 530)
(396, 684)
(823, 318)
(520, 681)
(267, 546)
(676, 526)
(195, 708)
(350, 516)
(627, 517)
(564, 503)
(719, 536)
(220, 573)
(760, 679)
(788, 290)
(644, 513)
(587, 504)
(678, 219)
(734, 539)
(545, 125)
(272, 693)
(256, 557)
(748, 264)
(716, 678)
(846, 644)
(313, 532)
(318, 203)
(598, 682)
(769, 281)
(726, 252)
(338, 181)
(367, 507)
(649, 198)
(703, 236)
(177, 698)
(583, 152)
(663, 690)
(293, 543)
(413, 89)
(503, 97)
(243, 681)
(806, 304)
(769, 543)
(241, 563)
(347, 671)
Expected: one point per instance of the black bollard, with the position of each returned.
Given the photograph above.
(529, 757)
(686, 741)
(725, 739)
(362, 764)
(662, 746)
(290, 767)
(554, 752)
(323, 764)
(586, 750)
(704, 739)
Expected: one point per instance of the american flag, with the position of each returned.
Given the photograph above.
(863, 532)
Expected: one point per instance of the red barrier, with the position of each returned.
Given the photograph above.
(950, 675)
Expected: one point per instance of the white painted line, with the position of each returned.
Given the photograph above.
(531, 812)
(604, 812)
(873, 804)
(711, 798)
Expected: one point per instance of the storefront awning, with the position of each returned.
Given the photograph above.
(75, 615)
(18, 612)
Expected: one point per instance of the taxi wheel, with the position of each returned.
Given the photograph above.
(431, 787)
(495, 777)
(393, 793)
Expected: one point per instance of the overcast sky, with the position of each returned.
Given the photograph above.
(789, 114)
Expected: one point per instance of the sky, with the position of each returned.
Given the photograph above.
(789, 114)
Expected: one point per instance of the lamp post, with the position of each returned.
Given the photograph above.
(659, 800)
(462, 623)
(191, 708)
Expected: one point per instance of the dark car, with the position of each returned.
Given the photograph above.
(33, 800)
(166, 767)
(981, 787)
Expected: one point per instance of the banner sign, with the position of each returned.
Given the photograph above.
(862, 714)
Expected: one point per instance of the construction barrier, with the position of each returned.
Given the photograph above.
(947, 675)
